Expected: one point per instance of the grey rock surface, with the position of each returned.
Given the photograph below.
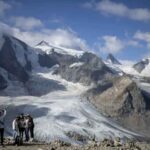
(140, 66)
(122, 100)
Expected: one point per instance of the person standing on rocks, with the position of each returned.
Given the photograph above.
(2, 118)
(31, 127)
(15, 127)
(26, 119)
(21, 126)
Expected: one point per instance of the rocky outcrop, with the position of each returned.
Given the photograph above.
(140, 66)
(47, 60)
(3, 82)
(9, 62)
(121, 100)
(118, 97)
(111, 59)
(92, 69)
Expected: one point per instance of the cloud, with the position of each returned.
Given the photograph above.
(133, 43)
(26, 23)
(57, 20)
(111, 44)
(3, 7)
(58, 37)
(88, 5)
(120, 9)
(143, 36)
(127, 62)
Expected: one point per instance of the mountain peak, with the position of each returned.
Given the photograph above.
(111, 59)
(43, 43)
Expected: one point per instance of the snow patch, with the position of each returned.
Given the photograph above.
(65, 51)
(146, 71)
(78, 64)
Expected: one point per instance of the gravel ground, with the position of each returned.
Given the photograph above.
(58, 145)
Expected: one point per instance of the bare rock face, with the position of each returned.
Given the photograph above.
(140, 66)
(121, 100)
(46, 60)
(3, 82)
(111, 59)
(119, 97)
(92, 69)
(9, 62)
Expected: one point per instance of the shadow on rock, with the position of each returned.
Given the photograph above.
(38, 86)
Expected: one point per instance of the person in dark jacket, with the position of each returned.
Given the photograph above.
(31, 127)
(2, 117)
(21, 126)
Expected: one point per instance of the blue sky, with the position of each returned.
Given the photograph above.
(120, 27)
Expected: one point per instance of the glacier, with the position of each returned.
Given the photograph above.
(61, 112)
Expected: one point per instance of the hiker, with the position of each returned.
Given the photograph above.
(2, 117)
(26, 120)
(21, 126)
(15, 127)
(31, 127)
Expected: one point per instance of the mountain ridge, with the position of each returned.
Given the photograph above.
(111, 59)
(55, 79)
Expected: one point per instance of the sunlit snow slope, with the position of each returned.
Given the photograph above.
(46, 47)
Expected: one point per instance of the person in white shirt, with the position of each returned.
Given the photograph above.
(15, 128)
(2, 118)
(26, 127)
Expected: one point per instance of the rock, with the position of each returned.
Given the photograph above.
(3, 83)
(46, 60)
(77, 137)
(140, 66)
(91, 71)
(120, 99)
(117, 142)
(7, 53)
(111, 59)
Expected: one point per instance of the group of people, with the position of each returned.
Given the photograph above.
(23, 125)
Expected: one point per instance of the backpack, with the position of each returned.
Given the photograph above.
(18, 140)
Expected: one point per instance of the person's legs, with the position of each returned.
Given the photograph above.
(27, 134)
(2, 135)
(32, 132)
(14, 136)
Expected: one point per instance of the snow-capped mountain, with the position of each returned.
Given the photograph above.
(43, 43)
(111, 59)
(41, 80)
(143, 67)
(46, 47)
